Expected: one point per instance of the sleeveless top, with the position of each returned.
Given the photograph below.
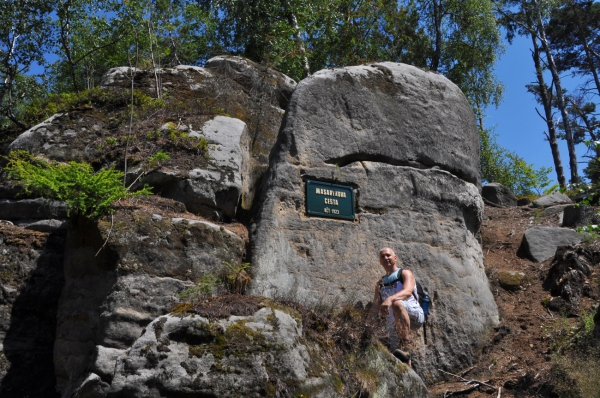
(395, 287)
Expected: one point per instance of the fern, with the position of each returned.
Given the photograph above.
(87, 193)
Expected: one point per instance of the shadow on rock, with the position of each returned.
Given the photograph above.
(29, 340)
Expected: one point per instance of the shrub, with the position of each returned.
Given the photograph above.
(87, 193)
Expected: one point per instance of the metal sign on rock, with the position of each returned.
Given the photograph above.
(329, 200)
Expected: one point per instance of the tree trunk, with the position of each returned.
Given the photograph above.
(293, 21)
(559, 93)
(437, 20)
(546, 102)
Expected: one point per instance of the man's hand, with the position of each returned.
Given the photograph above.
(384, 308)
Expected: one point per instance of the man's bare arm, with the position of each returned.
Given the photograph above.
(407, 288)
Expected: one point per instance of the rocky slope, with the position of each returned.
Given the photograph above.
(536, 349)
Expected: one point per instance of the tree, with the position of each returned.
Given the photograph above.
(507, 168)
(574, 33)
(528, 18)
(24, 29)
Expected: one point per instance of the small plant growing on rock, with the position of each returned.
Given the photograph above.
(205, 287)
(86, 192)
(236, 278)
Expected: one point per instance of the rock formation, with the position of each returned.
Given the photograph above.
(405, 141)
(498, 194)
(31, 279)
(401, 141)
(540, 243)
(229, 112)
(146, 260)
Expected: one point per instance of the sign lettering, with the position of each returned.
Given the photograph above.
(329, 200)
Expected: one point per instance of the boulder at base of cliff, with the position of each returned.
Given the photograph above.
(499, 194)
(401, 148)
(262, 351)
(540, 243)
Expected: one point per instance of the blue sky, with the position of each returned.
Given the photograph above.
(516, 122)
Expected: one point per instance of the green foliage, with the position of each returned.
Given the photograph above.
(43, 107)
(576, 362)
(157, 159)
(505, 167)
(204, 287)
(87, 193)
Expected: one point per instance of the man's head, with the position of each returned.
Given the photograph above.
(388, 259)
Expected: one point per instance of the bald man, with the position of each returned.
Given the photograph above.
(396, 298)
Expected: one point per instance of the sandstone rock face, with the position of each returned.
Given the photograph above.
(110, 298)
(405, 140)
(236, 106)
(253, 77)
(498, 194)
(218, 186)
(31, 279)
(540, 243)
(242, 356)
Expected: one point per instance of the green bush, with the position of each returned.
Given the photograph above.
(87, 193)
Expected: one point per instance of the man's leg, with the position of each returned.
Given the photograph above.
(403, 329)
(402, 321)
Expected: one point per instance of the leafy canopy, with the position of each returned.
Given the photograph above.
(504, 167)
(87, 193)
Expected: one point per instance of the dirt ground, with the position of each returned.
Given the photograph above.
(519, 356)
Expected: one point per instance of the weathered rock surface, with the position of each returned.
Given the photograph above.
(581, 215)
(236, 106)
(31, 279)
(407, 143)
(263, 354)
(219, 185)
(32, 209)
(109, 298)
(498, 194)
(597, 325)
(552, 210)
(555, 198)
(278, 88)
(540, 243)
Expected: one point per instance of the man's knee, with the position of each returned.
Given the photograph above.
(399, 305)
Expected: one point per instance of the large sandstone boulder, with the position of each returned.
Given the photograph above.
(31, 279)
(540, 243)
(406, 142)
(555, 198)
(112, 292)
(498, 194)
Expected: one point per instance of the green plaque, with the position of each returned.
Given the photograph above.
(329, 200)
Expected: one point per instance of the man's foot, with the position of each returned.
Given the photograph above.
(403, 355)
